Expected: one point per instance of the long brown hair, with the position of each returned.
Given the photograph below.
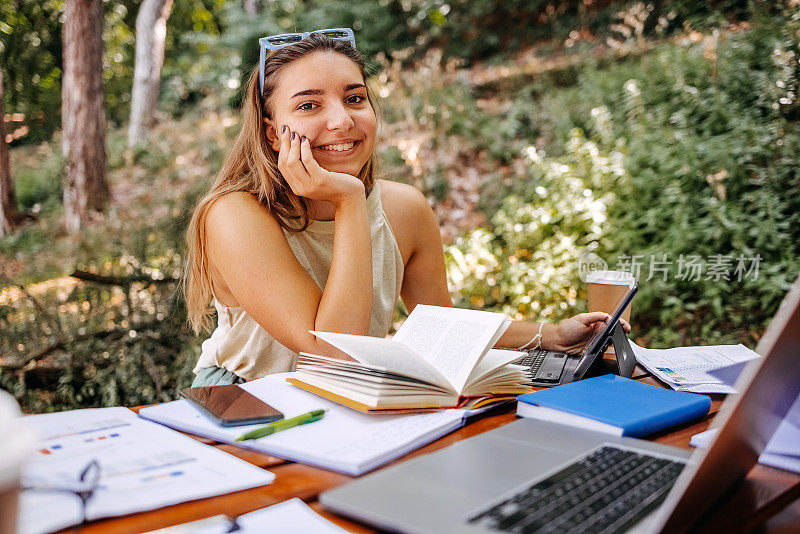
(252, 166)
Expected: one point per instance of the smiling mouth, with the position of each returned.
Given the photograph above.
(337, 147)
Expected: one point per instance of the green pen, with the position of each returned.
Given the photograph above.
(283, 424)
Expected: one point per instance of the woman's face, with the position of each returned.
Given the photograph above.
(323, 97)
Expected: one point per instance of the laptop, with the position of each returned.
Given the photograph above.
(533, 476)
(552, 368)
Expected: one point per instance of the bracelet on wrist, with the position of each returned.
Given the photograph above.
(535, 339)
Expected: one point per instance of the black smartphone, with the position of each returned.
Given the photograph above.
(230, 405)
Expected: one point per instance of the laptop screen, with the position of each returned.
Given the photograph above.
(747, 420)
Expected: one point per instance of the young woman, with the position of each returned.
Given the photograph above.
(296, 233)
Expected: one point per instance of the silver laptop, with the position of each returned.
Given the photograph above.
(532, 476)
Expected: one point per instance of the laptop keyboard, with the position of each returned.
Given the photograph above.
(542, 368)
(606, 491)
(533, 359)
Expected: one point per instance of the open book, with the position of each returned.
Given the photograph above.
(440, 357)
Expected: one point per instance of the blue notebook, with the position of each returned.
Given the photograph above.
(615, 405)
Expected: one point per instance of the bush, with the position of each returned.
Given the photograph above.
(99, 346)
(703, 142)
(40, 180)
(526, 264)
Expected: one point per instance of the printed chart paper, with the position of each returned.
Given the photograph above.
(143, 466)
(690, 368)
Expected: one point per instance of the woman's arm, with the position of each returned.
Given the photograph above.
(569, 335)
(425, 278)
(247, 247)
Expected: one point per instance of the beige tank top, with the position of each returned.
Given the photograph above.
(243, 347)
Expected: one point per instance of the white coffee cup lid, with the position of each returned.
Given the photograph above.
(17, 441)
(611, 277)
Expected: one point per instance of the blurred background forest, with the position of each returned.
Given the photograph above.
(661, 137)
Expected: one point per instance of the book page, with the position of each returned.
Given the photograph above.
(452, 340)
(385, 353)
(362, 374)
(359, 370)
(493, 360)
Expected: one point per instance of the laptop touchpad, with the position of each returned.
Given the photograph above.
(486, 466)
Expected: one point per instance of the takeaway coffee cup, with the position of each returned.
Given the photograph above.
(606, 290)
(16, 444)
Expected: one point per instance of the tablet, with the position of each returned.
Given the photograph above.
(597, 345)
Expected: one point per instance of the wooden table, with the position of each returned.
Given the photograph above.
(768, 500)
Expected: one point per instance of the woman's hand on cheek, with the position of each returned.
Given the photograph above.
(305, 176)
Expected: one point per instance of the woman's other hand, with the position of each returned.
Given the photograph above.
(308, 179)
(572, 334)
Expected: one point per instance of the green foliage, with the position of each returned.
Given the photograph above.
(121, 341)
(703, 141)
(526, 263)
(212, 44)
(42, 184)
(66, 343)
(431, 114)
(101, 346)
(715, 167)
(119, 42)
(30, 56)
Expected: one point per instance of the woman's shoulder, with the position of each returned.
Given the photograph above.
(238, 209)
(410, 215)
(402, 198)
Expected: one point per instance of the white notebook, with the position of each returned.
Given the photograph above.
(287, 517)
(345, 440)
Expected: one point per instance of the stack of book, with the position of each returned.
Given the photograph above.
(439, 358)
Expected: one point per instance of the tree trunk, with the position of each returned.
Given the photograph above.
(251, 7)
(83, 113)
(151, 31)
(8, 204)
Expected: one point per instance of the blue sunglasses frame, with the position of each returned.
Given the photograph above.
(275, 42)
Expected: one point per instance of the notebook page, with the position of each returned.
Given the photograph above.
(783, 449)
(453, 340)
(287, 517)
(344, 440)
(789, 463)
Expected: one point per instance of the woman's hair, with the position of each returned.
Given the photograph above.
(252, 166)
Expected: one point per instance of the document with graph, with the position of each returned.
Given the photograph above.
(124, 464)
(692, 368)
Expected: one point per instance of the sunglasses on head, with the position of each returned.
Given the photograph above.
(274, 42)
